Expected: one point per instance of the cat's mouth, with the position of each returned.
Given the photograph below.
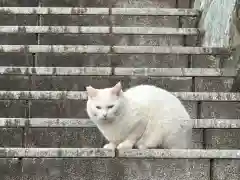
(106, 120)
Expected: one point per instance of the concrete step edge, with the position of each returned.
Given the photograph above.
(114, 49)
(102, 11)
(87, 123)
(108, 153)
(56, 152)
(180, 154)
(81, 95)
(100, 30)
(118, 71)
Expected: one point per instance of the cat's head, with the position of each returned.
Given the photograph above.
(103, 105)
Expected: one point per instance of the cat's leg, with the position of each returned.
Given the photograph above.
(127, 144)
(150, 140)
(134, 136)
(148, 145)
(109, 146)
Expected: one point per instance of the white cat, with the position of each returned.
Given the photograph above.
(144, 116)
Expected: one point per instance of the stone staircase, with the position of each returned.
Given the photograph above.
(50, 51)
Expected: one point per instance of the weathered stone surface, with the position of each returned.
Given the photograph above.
(188, 22)
(179, 153)
(197, 139)
(10, 169)
(222, 138)
(74, 83)
(115, 169)
(82, 95)
(99, 30)
(102, 60)
(18, 39)
(114, 49)
(21, 3)
(57, 152)
(78, 83)
(11, 137)
(156, 11)
(11, 83)
(167, 50)
(148, 60)
(157, 72)
(102, 10)
(73, 59)
(211, 84)
(184, 4)
(105, 39)
(145, 3)
(76, 3)
(66, 138)
(57, 48)
(16, 59)
(154, 21)
(220, 110)
(60, 108)
(192, 41)
(119, 71)
(207, 61)
(75, 20)
(225, 169)
(11, 19)
(13, 108)
(81, 39)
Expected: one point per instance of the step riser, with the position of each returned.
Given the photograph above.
(96, 39)
(99, 20)
(105, 60)
(78, 83)
(113, 169)
(102, 3)
(92, 138)
(75, 109)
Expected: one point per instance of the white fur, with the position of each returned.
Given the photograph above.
(145, 116)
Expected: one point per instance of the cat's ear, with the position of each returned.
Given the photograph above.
(117, 89)
(91, 92)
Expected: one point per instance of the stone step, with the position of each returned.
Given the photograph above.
(100, 30)
(113, 60)
(100, 35)
(102, 3)
(86, 123)
(98, 11)
(56, 152)
(81, 95)
(72, 16)
(114, 49)
(180, 154)
(173, 81)
(188, 166)
(107, 153)
(118, 71)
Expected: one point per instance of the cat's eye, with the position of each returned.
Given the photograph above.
(98, 107)
(110, 107)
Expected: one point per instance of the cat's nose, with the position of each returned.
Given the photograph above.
(105, 115)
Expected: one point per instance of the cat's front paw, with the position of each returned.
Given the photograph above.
(109, 146)
(125, 145)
